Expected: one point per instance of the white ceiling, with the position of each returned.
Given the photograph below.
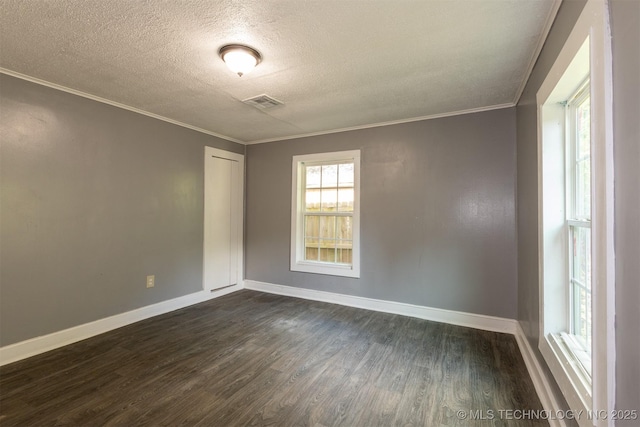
(336, 64)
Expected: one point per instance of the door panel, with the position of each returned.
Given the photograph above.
(222, 222)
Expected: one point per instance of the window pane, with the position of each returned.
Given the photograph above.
(344, 230)
(311, 250)
(328, 250)
(581, 317)
(581, 269)
(345, 199)
(344, 251)
(312, 200)
(311, 240)
(327, 227)
(345, 175)
(329, 176)
(329, 200)
(582, 196)
(312, 226)
(583, 112)
(344, 256)
(583, 189)
(313, 177)
(581, 285)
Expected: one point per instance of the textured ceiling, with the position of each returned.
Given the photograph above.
(335, 64)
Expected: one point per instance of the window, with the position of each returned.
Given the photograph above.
(325, 213)
(575, 221)
(567, 224)
(578, 227)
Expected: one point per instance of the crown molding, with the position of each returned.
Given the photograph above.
(114, 104)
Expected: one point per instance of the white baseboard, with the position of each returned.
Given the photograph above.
(34, 346)
(477, 321)
(539, 378)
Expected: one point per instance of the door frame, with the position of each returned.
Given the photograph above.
(239, 199)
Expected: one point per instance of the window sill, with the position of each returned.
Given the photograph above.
(575, 350)
(326, 268)
(573, 379)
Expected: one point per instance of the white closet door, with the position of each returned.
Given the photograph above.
(221, 222)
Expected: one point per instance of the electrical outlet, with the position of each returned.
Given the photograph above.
(151, 281)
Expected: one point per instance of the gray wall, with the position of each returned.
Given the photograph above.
(625, 26)
(438, 213)
(93, 198)
(527, 158)
(625, 31)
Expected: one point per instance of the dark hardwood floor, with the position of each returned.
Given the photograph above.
(257, 359)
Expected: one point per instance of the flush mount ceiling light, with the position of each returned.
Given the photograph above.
(239, 58)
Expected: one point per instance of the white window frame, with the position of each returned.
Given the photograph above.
(591, 33)
(298, 263)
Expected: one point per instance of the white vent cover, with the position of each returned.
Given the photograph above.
(263, 102)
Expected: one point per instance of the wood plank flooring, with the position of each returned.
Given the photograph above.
(256, 359)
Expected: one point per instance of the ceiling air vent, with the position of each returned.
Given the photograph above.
(263, 102)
